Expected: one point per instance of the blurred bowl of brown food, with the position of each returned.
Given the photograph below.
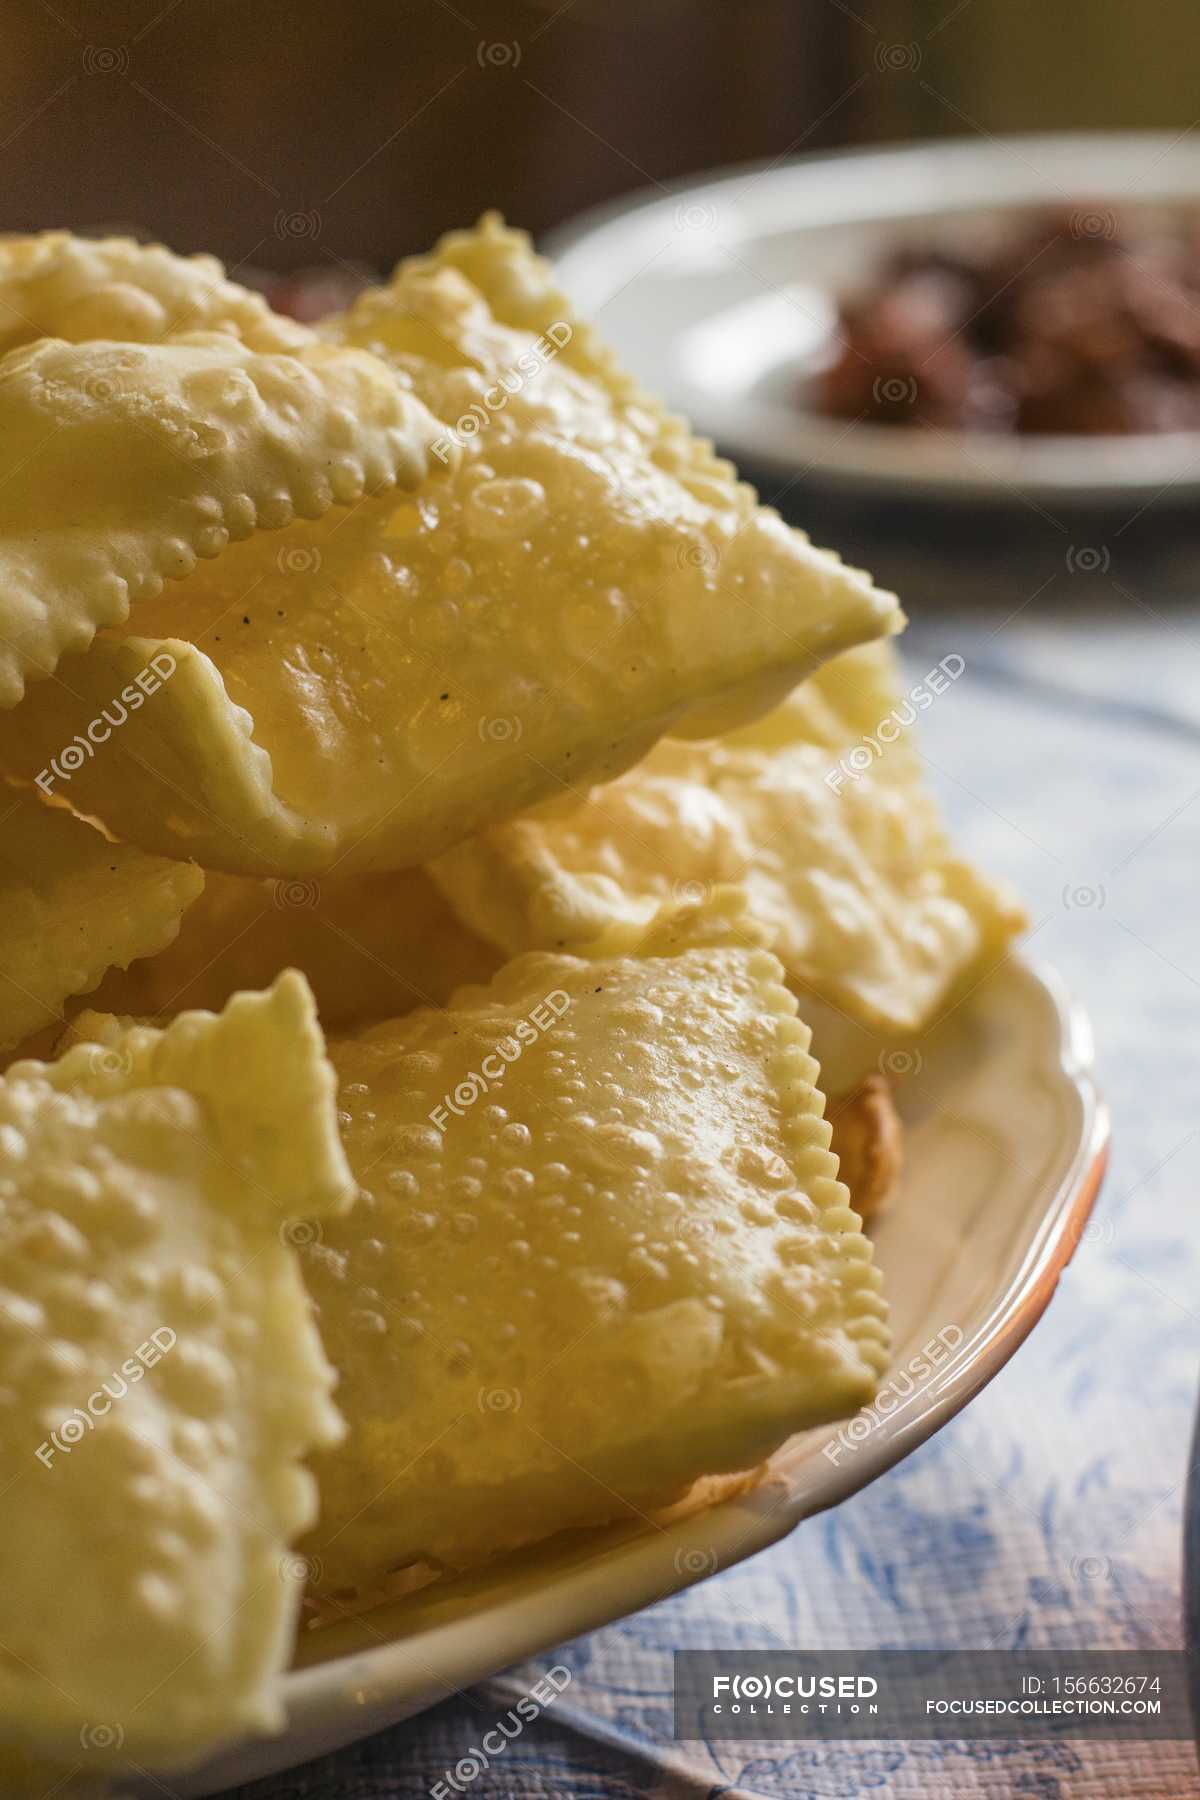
(961, 320)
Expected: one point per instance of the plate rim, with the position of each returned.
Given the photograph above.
(561, 239)
(321, 1719)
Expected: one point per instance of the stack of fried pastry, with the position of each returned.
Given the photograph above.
(448, 854)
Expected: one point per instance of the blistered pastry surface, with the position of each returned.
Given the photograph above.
(570, 1288)
(160, 1377)
(53, 284)
(573, 577)
(839, 847)
(123, 465)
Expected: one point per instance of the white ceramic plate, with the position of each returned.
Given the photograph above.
(1006, 1144)
(721, 293)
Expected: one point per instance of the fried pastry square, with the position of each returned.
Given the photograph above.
(72, 905)
(360, 693)
(160, 1375)
(56, 285)
(369, 946)
(122, 465)
(843, 856)
(599, 1251)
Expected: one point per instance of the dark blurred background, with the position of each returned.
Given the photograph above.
(286, 132)
(338, 135)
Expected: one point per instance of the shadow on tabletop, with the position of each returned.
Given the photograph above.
(943, 558)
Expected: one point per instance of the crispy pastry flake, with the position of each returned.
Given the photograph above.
(868, 1141)
(849, 868)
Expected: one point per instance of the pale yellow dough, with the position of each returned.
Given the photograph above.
(623, 1264)
(369, 946)
(152, 1186)
(72, 905)
(850, 870)
(122, 465)
(54, 284)
(360, 693)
